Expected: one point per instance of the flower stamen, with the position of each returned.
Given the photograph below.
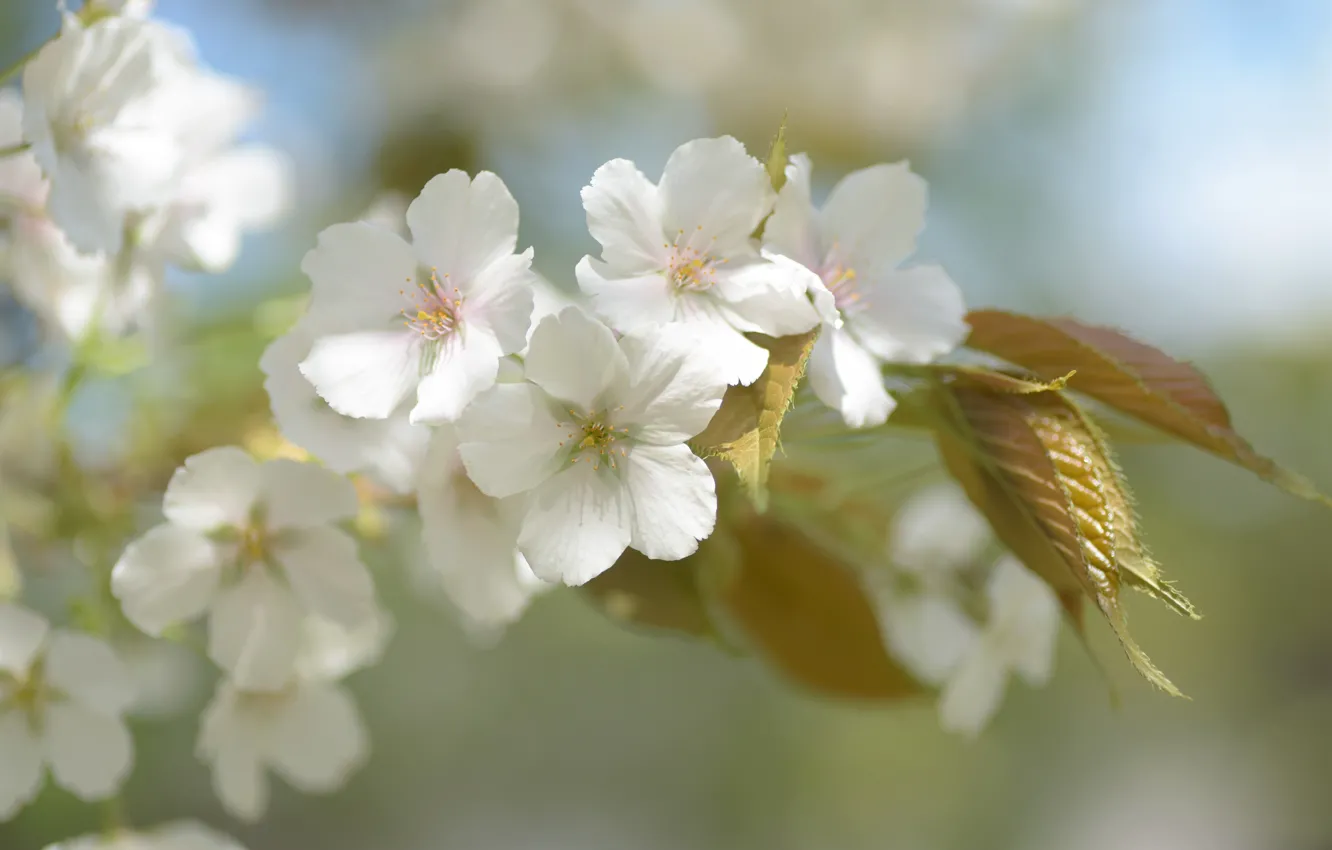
(435, 310)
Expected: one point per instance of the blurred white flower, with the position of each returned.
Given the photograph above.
(62, 695)
(310, 733)
(681, 252)
(598, 437)
(99, 115)
(391, 449)
(433, 317)
(254, 545)
(130, 8)
(471, 542)
(1019, 637)
(872, 311)
(184, 835)
(935, 535)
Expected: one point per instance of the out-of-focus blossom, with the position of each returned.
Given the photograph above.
(62, 695)
(255, 546)
(310, 733)
(471, 542)
(1019, 637)
(598, 438)
(681, 252)
(432, 317)
(872, 311)
(184, 835)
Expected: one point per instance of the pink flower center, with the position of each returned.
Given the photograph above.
(841, 282)
(436, 308)
(691, 267)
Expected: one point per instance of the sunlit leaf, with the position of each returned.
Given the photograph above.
(746, 431)
(1131, 377)
(776, 162)
(11, 580)
(1045, 479)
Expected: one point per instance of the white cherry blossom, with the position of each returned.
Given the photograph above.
(182, 835)
(432, 317)
(310, 733)
(98, 115)
(471, 542)
(62, 697)
(391, 449)
(1019, 637)
(254, 546)
(934, 536)
(872, 311)
(681, 251)
(598, 438)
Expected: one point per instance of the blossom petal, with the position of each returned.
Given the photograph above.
(928, 633)
(791, 230)
(624, 214)
(674, 500)
(577, 524)
(22, 634)
(460, 225)
(846, 377)
(465, 367)
(330, 651)
(672, 392)
(214, 489)
(872, 216)
(359, 272)
(1025, 619)
(574, 358)
(509, 439)
(254, 632)
(299, 495)
(88, 670)
(21, 778)
(500, 300)
(971, 695)
(319, 739)
(713, 188)
(739, 360)
(167, 576)
(90, 753)
(228, 738)
(326, 574)
(627, 303)
(938, 530)
(911, 316)
(366, 374)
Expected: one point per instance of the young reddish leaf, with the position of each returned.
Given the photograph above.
(1042, 475)
(1131, 377)
(746, 431)
(808, 614)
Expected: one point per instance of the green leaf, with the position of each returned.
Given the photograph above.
(11, 580)
(746, 430)
(1130, 377)
(777, 156)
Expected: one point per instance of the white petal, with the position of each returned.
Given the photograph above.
(791, 229)
(254, 632)
(509, 439)
(674, 500)
(624, 215)
(1024, 616)
(672, 392)
(627, 303)
(928, 633)
(938, 530)
(327, 575)
(971, 696)
(911, 316)
(214, 489)
(299, 495)
(188, 835)
(577, 524)
(574, 358)
(739, 360)
(319, 740)
(366, 374)
(330, 651)
(167, 576)
(499, 299)
(846, 378)
(21, 761)
(22, 634)
(713, 187)
(90, 753)
(89, 671)
(770, 296)
(465, 367)
(460, 226)
(359, 272)
(229, 735)
(872, 217)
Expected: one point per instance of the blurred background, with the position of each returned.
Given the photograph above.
(1162, 166)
